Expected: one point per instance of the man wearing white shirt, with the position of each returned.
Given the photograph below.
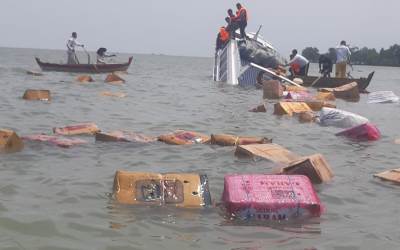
(71, 43)
(298, 64)
(342, 57)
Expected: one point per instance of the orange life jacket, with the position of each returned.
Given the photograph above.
(223, 34)
(240, 12)
(295, 67)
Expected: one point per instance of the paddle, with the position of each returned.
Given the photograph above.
(274, 74)
(87, 53)
(315, 81)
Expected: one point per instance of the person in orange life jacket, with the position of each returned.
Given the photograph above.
(233, 24)
(241, 18)
(223, 36)
(298, 64)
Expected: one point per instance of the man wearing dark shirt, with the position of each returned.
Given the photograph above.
(325, 66)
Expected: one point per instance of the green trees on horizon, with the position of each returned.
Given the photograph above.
(363, 56)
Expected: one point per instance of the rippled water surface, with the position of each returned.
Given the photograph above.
(54, 198)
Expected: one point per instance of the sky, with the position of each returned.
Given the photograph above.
(189, 28)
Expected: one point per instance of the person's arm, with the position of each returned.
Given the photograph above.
(79, 44)
(109, 55)
(292, 61)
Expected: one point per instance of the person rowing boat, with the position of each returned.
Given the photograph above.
(71, 43)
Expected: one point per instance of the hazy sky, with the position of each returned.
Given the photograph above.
(188, 27)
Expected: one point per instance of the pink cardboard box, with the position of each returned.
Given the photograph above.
(270, 197)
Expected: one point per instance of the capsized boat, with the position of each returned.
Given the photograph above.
(84, 68)
(233, 64)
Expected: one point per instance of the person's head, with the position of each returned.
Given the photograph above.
(74, 35)
(230, 12)
(101, 51)
(343, 43)
(227, 19)
(238, 6)
(294, 52)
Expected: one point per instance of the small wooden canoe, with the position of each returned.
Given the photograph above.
(84, 68)
(336, 82)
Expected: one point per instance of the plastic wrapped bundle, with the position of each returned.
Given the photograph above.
(363, 132)
(340, 118)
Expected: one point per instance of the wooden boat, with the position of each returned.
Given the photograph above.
(336, 82)
(84, 68)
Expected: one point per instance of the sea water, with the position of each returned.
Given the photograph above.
(57, 198)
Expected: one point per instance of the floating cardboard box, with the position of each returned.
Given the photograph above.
(114, 79)
(77, 129)
(259, 109)
(347, 92)
(55, 140)
(176, 189)
(288, 108)
(113, 94)
(84, 78)
(271, 152)
(391, 175)
(10, 141)
(314, 167)
(233, 140)
(182, 137)
(37, 95)
(272, 89)
(292, 88)
(314, 105)
(270, 197)
(318, 105)
(123, 136)
(325, 96)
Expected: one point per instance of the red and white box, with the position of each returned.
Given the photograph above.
(270, 197)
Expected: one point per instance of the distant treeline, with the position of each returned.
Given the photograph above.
(363, 56)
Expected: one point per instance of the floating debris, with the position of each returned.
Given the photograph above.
(37, 95)
(10, 142)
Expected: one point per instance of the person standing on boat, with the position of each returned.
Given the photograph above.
(342, 58)
(298, 64)
(71, 43)
(325, 65)
(232, 24)
(241, 18)
(102, 55)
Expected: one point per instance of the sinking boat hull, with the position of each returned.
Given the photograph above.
(231, 69)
